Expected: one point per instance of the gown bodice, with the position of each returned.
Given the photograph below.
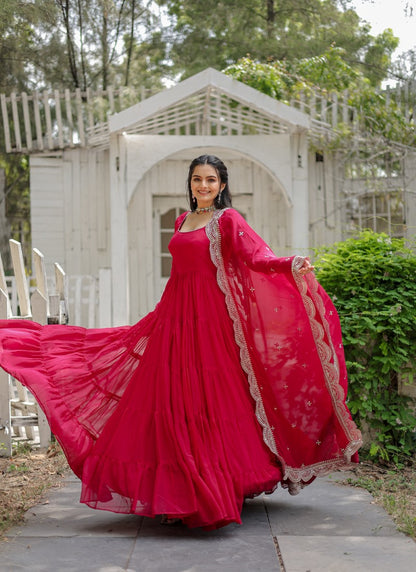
(190, 253)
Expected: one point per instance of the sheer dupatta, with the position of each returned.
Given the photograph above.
(291, 349)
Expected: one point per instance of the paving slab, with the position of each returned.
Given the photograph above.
(326, 528)
(327, 507)
(330, 527)
(234, 548)
(347, 554)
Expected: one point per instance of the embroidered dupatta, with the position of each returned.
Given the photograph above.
(291, 349)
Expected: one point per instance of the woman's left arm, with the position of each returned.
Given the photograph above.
(252, 249)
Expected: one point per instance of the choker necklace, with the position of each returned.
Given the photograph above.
(205, 209)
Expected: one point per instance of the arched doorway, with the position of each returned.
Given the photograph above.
(160, 196)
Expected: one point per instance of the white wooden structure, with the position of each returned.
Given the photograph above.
(105, 190)
(19, 413)
(110, 208)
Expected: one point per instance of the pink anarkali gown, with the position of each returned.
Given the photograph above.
(235, 383)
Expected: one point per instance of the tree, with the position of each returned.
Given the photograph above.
(330, 73)
(76, 44)
(207, 33)
(18, 40)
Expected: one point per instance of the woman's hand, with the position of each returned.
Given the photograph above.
(306, 267)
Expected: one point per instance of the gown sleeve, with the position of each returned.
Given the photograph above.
(252, 249)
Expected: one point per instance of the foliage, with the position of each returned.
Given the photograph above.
(372, 280)
(207, 33)
(329, 74)
(50, 43)
(18, 39)
(17, 197)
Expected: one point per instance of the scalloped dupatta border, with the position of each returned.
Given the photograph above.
(294, 478)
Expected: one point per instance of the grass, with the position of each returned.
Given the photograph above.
(24, 479)
(392, 488)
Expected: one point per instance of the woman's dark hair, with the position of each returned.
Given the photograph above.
(223, 200)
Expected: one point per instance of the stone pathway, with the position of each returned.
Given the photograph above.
(326, 528)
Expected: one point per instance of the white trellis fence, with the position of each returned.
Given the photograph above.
(52, 120)
(88, 297)
(19, 413)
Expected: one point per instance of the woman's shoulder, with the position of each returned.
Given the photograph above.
(180, 219)
(232, 220)
(231, 214)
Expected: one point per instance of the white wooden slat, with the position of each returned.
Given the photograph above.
(40, 275)
(61, 291)
(60, 281)
(39, 306)
(6, 125)
(80, 120)
(24, 407)
(40, 315)
(16, 122)
(26, 117)
(4, 298)
(5, 428)
(3, 286)
(59, 118)
(38, 122)
(48, 119)
(21, 282)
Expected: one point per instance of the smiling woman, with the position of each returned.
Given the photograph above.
(236, 382)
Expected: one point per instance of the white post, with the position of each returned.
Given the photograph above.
(40, 315)
(40, 275)
(300, 209)
(3, 286)
(60, 287)
(119, 232)
(21, 283)
(5, 427)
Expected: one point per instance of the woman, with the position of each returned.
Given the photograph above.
(234, 383)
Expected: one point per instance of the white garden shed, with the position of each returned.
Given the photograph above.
(105, 194)
(112, 205)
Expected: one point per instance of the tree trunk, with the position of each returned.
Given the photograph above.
(271, 15)
(131, 43)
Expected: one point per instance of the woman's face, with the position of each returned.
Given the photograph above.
(205, 185)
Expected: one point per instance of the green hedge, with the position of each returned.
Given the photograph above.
(372, 280)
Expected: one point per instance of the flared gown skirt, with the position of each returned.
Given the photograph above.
(155, 418)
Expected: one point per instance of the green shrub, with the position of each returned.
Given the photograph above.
(372, 281)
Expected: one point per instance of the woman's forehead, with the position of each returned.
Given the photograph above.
(205, 171)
